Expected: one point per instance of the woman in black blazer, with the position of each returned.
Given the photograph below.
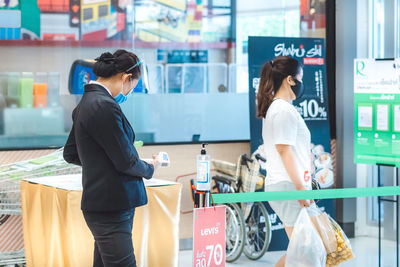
(102, 142)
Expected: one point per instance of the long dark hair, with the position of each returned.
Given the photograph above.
(121, 61)
(272, 75)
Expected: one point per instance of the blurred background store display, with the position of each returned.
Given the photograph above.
(30, 107)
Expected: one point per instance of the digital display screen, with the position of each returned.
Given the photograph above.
(81, 75)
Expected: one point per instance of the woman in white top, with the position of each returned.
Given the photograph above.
(287, 139)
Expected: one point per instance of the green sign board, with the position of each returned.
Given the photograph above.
(377, 111)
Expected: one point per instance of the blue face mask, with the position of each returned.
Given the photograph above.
(121, 98)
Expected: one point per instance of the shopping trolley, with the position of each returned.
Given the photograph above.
(11, 242)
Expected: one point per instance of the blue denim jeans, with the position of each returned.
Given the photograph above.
(112, 232)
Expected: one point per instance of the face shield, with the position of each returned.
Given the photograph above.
(143, 84)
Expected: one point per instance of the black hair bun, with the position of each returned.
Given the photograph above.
(105, 65)
(109, 64)
(106, 58)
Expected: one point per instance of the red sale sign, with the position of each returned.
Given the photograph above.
(209, 237)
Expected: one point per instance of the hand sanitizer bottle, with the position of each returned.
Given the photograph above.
(203, 171)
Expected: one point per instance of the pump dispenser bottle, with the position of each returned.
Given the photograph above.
(203, 170)
(203, 177)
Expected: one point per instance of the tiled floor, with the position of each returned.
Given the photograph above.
(365, 248)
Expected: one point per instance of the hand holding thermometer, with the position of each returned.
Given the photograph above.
(163, 160)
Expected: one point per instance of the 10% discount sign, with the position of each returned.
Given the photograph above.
(209, 237)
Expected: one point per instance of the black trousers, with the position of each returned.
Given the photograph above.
(112, 232)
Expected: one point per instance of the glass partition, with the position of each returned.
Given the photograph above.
(32, 112)
(196, 105)
(165, 118)
(184, 103)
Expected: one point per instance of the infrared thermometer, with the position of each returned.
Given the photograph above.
(163, 160)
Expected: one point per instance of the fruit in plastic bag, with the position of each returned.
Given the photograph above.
(324, 227)
(306, 248)
(343, 252)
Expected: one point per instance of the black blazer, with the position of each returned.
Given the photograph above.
(102, 142)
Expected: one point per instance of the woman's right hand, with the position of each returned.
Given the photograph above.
(304, 203)
(155, 162)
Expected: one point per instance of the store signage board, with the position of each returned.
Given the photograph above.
(313, 106)
(377, 112)
(209, 237)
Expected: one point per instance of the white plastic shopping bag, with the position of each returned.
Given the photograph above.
(324, 228)
(306, 248)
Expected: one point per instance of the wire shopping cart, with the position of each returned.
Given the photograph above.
(11, 235)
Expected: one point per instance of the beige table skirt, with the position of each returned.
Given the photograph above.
(56, 234)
